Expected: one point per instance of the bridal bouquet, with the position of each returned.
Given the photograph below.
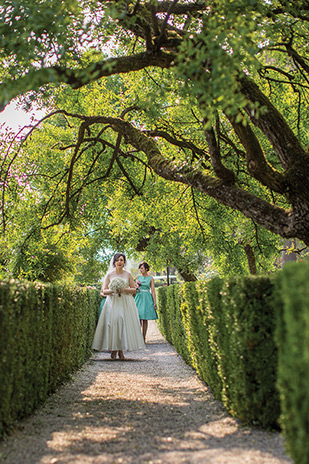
(117, 284)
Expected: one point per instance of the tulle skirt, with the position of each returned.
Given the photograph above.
(118, 326)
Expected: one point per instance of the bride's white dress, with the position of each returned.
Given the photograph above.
(118, 326)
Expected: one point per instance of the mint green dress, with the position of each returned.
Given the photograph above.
(101, 307)
(144, 300)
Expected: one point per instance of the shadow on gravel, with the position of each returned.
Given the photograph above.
(159, 417)
(117, 360)
(176, 427)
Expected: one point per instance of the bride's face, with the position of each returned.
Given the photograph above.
(119, 263)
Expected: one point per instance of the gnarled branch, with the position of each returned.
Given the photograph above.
(257, 164)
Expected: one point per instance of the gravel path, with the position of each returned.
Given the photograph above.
(149, 409)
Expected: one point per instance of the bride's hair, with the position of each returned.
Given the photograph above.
(117, 256)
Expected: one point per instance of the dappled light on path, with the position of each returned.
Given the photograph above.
(150, 408)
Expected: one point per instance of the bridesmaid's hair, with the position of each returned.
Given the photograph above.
(117, 256)
(146, 266)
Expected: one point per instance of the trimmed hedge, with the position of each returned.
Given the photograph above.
(198, 319)
(45, 334)
(227, 336)
(246, 350)
(164, 322)
(245, 336)
(292, 336)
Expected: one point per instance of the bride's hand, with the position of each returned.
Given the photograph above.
(128, 290)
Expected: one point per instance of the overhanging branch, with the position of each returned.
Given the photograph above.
(273, 218)
(271, 122)
(257, 164)
(79, 77)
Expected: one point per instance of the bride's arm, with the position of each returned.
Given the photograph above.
(131, 289)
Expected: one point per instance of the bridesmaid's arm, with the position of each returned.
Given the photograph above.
(102, 292)
(106, 289)
(153, 291)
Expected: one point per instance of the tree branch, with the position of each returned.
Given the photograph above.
(197, 215)
(165, 21)
(257, 164)
(296, 57)
(136, 191)
(71, 168)
(178, 143)
(269, 216)
(215, 156)
(164, 6)
(154, 19)
(78, 77)
(251, 258)
(273, 125)
(273, 218)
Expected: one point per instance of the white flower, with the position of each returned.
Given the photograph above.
(117, 284)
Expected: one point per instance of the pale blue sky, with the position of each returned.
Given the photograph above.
(16, 118)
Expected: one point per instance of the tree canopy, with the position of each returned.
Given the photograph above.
(209, 96)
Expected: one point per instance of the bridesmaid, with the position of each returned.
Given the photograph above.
(103, 300)
(145, 299)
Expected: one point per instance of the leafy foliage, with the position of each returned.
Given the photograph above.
(208, 98)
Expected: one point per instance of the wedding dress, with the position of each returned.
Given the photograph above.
(118, 326)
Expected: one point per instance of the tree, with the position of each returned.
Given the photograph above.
(30, 246)
(131, 209)
(171, 223)
(240, 80)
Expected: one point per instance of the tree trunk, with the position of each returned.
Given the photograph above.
(251, 259)
(187, 275)
(168, 275)
(288, 257)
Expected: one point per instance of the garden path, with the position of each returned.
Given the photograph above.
(149, 409)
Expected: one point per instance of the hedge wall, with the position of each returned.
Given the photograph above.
(248, 338)
(45, 334)
(224, 329)
(292, 336)
(198, 319)
(246, 350)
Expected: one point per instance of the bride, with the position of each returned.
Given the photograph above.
(118, 327)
